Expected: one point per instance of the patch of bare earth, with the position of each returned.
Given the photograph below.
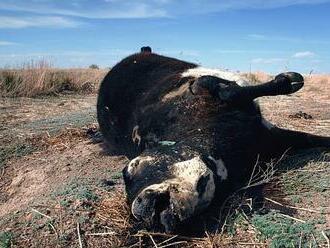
(67, 192)
(307, 110)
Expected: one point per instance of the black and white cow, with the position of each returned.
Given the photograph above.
(192, 134)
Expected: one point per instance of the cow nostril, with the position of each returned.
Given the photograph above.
(136, 162)
(162, 202)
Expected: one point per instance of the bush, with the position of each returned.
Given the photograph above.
(94, 66)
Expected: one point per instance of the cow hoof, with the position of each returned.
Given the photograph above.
(291, 81)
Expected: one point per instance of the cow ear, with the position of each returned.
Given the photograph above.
(209, 85)
(205, 85)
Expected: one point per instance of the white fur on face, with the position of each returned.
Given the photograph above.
(134, 164)
(184, 198)
(227, 75)
(140, 204)
(191, 171)
(221, 168)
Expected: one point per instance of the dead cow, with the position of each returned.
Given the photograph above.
(191, 133)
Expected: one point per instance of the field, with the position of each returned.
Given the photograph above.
(59, 187)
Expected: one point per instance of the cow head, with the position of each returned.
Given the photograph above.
(168, 184)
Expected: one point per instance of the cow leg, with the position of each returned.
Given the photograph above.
(283, 84)
(283, 139)
(229, 92)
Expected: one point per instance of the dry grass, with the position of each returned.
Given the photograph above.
(317, 79)
(35, 79)
(257, 77)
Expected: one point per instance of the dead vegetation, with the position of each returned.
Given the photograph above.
(39, 78)
(257, 77)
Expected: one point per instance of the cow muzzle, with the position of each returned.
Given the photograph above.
(165, 205)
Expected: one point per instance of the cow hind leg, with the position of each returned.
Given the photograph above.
(277, 140)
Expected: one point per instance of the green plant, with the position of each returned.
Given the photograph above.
(75, 191)
(15, 150)
(283, 231)
(117, 175)
(84, 193)
(65, 203)
(296, 199)
(6, 239)
(236, 221)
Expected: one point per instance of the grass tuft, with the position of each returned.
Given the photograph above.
(283, 231)
(6, 239)
(36, 79)
(16, 150)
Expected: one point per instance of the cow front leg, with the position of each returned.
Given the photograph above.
(230, 92)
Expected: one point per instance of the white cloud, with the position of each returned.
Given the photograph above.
(7, 43)
(257, 37)
(143, 8)
(263, 37)
(245, 51)
(303, 55)
(97, 9)
(268, 61)
(37, 21)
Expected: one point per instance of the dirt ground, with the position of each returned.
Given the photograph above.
(59, 188)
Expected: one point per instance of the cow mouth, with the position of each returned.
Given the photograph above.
(159, 206)
(165, 205)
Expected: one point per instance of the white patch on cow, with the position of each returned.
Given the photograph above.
(227, 75)
(137, 162)
(177, 92)
(181, 197)
(192, 171)
(185, 200)
(136, 137)
(267, 124)
(221, 168)
(141, 202)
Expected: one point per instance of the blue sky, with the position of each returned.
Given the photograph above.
(267, 35)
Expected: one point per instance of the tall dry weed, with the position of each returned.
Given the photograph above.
(39, 78)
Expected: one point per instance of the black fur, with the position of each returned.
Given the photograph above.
(132, 94)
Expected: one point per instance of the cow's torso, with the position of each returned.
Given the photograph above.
(166, 116)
